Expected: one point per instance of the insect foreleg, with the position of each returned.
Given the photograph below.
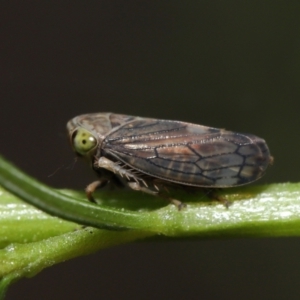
(90, 189)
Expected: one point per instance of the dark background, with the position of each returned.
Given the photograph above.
(230, 64)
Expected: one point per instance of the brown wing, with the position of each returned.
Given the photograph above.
(187, 153)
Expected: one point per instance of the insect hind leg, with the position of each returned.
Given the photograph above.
(134, 181)
(119, 169)
(211, 193)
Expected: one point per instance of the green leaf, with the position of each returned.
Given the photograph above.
(32, 240)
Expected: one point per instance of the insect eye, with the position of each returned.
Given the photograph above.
(83, 141)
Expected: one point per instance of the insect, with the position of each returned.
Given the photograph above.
(149, 154)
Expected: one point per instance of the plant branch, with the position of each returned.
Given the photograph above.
(31, 239)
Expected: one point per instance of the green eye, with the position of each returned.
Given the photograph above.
(83, 141)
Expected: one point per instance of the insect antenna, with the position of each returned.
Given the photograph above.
(70, 166)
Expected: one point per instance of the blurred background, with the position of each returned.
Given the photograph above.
(230, 64)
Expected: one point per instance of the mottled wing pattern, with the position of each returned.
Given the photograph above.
(187, 153)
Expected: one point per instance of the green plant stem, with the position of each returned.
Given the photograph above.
(32, 239)
(271, 210)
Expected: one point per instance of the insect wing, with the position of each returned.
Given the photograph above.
(187, 153)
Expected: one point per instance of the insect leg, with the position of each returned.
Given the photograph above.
(134, 181)
(90, 189)
(118, 169)
(137, 187)
(214, 196)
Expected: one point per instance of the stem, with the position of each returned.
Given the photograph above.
(271, 210)
(35, 240)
